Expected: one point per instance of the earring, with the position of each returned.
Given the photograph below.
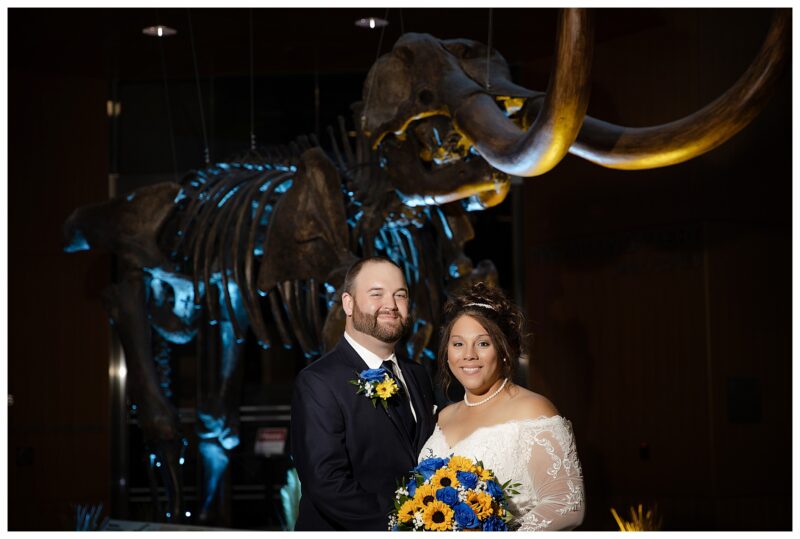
(505, 360)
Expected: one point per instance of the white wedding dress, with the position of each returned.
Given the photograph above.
(538, 453)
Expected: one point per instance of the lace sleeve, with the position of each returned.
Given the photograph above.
(555, 475)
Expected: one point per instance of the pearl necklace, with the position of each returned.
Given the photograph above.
(487, 399)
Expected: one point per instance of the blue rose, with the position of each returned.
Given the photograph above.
(494, 524)
(372, 375)
(468, 479)
(494, 489)
(465, 516)
(448, 495)
(429, 466)
(411, 487)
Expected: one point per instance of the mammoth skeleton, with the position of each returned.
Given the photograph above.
(261, 244)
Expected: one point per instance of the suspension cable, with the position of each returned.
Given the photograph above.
(207, 154)
(166, 100)
(252, 91)
(489, 52)
(377, 55)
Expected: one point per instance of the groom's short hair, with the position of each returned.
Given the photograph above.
(355, 269)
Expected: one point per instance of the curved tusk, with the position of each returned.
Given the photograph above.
(628, 148)
(531, 153)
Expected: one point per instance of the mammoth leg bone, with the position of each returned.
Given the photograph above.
(218, 414)
(125, 302)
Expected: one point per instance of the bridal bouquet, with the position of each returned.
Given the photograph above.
(452, 494)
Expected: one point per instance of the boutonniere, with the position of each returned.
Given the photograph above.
(377, 385)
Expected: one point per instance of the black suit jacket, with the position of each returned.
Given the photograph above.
(350, 455)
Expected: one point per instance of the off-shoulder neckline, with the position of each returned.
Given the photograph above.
(540, 419)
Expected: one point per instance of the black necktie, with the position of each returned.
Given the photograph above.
(403, 403)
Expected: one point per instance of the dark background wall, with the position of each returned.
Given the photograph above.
(659, 301)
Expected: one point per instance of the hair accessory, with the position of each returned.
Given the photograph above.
(487, 399)
(484, 305)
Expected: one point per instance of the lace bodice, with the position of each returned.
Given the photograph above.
(538, 453)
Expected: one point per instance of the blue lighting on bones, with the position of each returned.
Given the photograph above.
(182, 289)
(265, 216)
(285, 185)
(413, 201)
(445, 225)
(438, 138)
(77, 243)
(164, 370)
(355, 219)
(180, 196)
(227, 196)
(183, 306)
(236, 301)
(184, 446)
(330, 295)
(414, 255)
(418, 324)
(215, 461)
(214, 428)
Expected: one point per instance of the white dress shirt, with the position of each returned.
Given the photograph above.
(374, 361)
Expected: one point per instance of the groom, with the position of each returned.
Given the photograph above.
(350, 454)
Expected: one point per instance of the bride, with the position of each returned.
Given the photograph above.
(515, 432)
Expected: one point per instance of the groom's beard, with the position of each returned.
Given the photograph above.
(369, 324)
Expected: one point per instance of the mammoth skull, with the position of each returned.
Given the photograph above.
(431, 99)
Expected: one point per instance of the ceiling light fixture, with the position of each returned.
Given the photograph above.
(159, 31)
(371, 22)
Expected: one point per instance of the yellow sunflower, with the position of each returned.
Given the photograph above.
(444, 477)
(424, 495)
(461, 464)
(407, 510)
(438, 516)
(480, 502)
(483, 473)
(386, 389)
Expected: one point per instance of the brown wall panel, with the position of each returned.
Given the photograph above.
(660, 301)
(58, 332)
(751, 351)
(619, 346)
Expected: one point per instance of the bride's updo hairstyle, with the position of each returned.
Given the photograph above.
(501, 318)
